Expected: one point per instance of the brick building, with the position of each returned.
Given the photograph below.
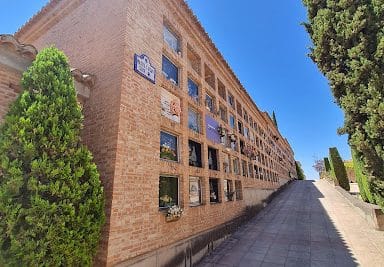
(167, 120)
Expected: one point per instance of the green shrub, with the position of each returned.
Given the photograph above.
(362, 179)
(338, 168)
(51, 198)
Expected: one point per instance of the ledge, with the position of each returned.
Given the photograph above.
(84, 82)
(15, 55)
(371, 213)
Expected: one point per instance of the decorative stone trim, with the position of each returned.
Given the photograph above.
(24, 50)
(83, 77)
(84, 82)
(15, 55)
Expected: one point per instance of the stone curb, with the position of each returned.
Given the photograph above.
(370, 212)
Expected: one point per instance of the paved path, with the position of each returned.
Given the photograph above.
(309, 224)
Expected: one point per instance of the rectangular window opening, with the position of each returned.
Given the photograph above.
(214, 190)
(212, 159)
(195, 192)
(194, 120)
(194, 154)
(209, 76)
(171, 39)
(168, 191)
(193, 90)
(168, 146)
(170, 71)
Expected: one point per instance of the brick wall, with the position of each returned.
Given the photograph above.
(123, 119)
(91, 34)
(9, 88)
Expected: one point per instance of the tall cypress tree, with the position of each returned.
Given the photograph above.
(327, 165)
(348, 48)
(51, 198)
(274, 119)
(299, 171)
(338, 170)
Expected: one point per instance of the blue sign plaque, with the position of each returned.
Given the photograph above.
(142, 65)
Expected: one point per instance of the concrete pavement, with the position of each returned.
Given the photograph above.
(309, 224)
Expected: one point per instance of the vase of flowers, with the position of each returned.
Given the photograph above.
(232, 138)
(221, 131)
(173, 213)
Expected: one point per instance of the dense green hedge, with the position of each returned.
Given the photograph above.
(338, 168)
(362, 179)
(51, 198)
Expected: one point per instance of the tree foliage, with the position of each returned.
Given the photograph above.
(348, 47)
(274, 119)
(319, 165)
(362, 180)
(338, 169)
(299, 171)
(327, 165)
(51, 198)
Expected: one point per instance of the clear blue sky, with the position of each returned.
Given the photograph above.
(267, 48)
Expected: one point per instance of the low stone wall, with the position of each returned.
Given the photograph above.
(372, 213)
(255, 196)
(190, 251)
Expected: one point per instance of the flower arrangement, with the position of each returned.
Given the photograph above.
(173, 213)
(167, 152)
(221, 130)
(232, 138)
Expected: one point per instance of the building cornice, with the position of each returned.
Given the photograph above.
(211, 47)
(15, 55)
(24, 50)
(46, 18)
(19, 57)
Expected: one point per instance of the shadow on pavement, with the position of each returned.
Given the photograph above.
(293, 230)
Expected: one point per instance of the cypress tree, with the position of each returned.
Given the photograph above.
(348, 48)
(51, 198)
(299, 171)
(274, 119)
(327, 165)
(338, 168)
(361, 179)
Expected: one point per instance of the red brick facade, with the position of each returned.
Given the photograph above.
(123, 119)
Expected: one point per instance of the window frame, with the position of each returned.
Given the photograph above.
(228, 189)
(201, 154)
(167, 76)
(195, 98)
(213, 158)
(236, 167)
(177, 147)
(200, 191)
(174, 35)
(233, 126)
(218, 191)
(231, 100)
(198, 118)
(238, 190)
(210, 109)
(178, 190)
